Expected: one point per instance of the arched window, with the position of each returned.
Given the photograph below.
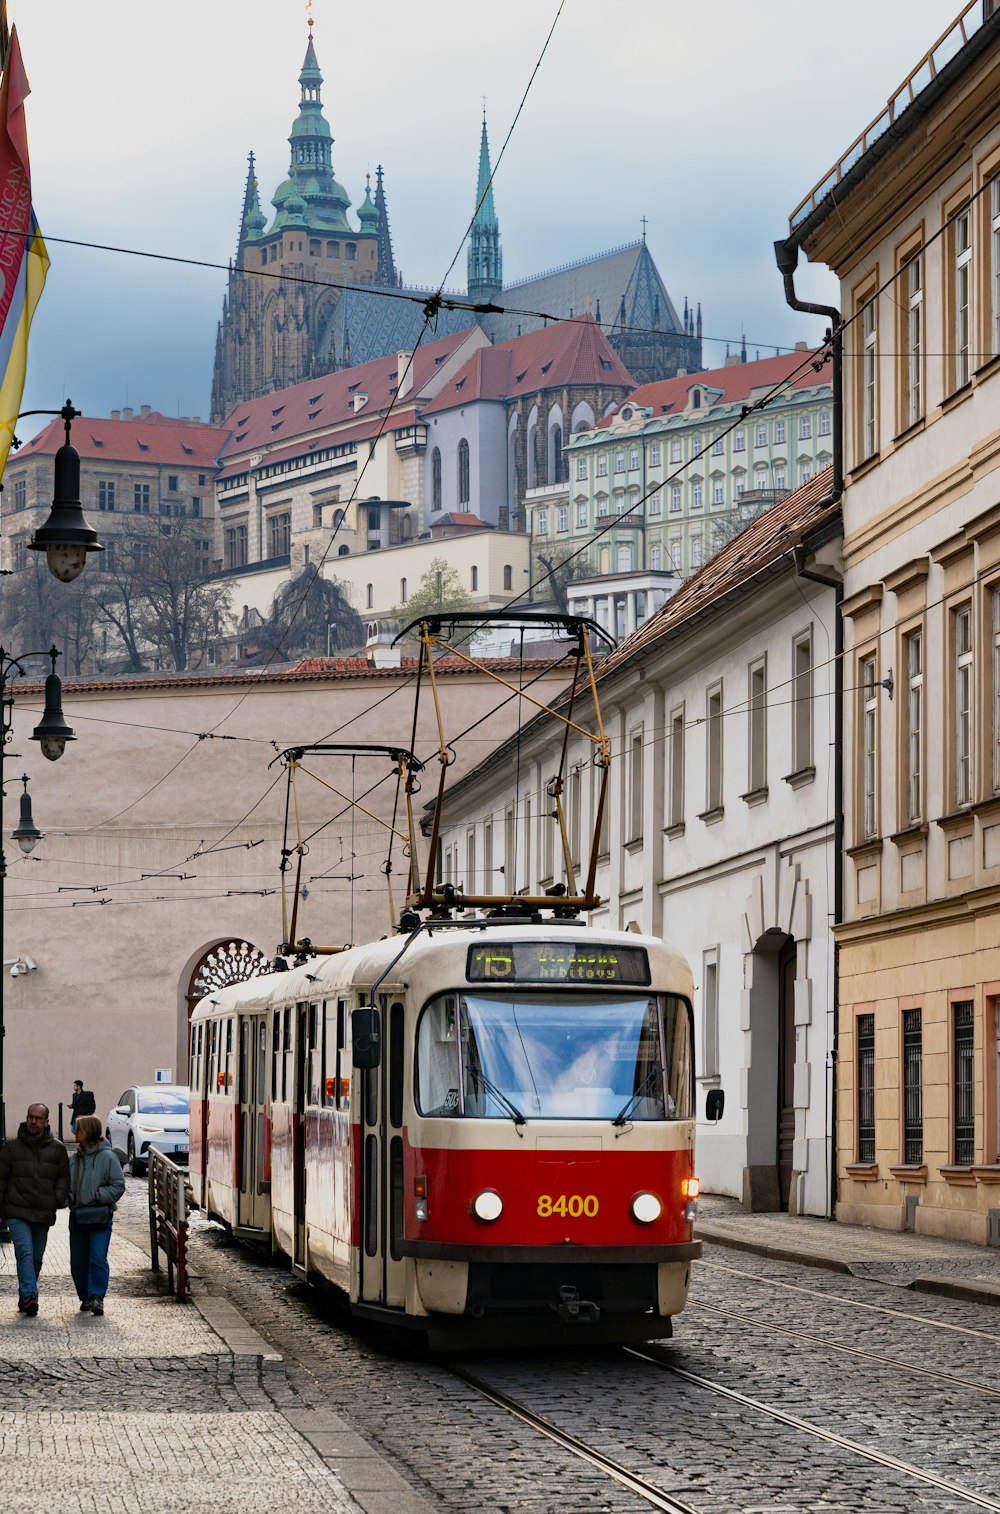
(369, 596)
(624, 559)
(530, 456)
(463, 472)
(403, 591)
(474, 579)
(436, 479)
(508, 576)
(654, 557)
(344, 551)
(556, 455)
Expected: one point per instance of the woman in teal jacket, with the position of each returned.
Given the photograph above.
(95, 1177)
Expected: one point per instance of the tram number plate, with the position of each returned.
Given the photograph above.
(575, 1205)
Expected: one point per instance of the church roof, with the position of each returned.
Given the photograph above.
(307, 408)
(375, 324)
(568, 352)
(595, 285)
(151, 439)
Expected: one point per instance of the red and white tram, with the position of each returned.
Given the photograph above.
(479, 1126)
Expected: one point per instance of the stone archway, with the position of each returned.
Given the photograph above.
(775, 1072)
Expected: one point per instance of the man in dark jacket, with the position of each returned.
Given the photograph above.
(34, 1183)
(82, 1102)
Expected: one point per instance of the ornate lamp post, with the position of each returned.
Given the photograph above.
(65, 538)
(52, 734)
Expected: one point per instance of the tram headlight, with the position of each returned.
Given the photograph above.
(487, 1206)
(646, 1208)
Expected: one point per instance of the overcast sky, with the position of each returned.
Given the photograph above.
(713, 120)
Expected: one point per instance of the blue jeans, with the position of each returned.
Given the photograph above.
(29, 1238)
(88, 1259)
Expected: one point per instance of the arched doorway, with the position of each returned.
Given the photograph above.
(226, 962)
(768, 1174)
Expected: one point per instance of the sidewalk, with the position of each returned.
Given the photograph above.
(164, 1408)
(924, 1263)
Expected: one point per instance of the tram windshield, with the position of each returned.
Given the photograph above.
(488, 1056)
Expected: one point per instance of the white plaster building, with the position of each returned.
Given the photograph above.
(718, 835)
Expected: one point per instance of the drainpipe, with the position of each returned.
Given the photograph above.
(787, 257)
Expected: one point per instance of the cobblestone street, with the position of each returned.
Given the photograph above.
(162, 1406)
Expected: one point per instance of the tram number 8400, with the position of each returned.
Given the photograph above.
(574, 1204)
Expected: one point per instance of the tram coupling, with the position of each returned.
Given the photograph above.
(574, 1310)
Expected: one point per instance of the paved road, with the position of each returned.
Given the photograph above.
(462, 1453)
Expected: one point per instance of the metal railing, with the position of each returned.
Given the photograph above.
(951, 42)
(168, 1219)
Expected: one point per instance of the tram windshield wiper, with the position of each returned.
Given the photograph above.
(478, 1076)
(621, 1118)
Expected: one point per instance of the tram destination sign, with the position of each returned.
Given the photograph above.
(557, 962)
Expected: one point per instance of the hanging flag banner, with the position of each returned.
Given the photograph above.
(24, 261)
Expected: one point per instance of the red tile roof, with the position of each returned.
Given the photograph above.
(567, 352)
(329, 399)
(736, 382)
(153, 439)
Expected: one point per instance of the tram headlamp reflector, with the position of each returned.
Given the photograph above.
(487, 1206)
(420, 1209)
(646, 1208)
(690, 1187)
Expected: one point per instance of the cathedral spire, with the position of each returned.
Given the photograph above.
(386, 265)
(310, 171)
(485, 260)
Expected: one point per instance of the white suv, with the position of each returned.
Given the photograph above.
(159, 1115)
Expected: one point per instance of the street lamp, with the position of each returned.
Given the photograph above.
(65, 538)
(52, 734)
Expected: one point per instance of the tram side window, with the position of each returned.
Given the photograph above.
(286, 1054)
(213, 1055)
(194, 1068)
(315, 1054)
(275, 1052)
(344, 1054)
(229, 1056)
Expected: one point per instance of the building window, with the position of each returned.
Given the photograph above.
(964, 1103)
(866, 1087)
(474, 578)
(869, 381)
(655, 502)
(675, 497)
(760, 479)
(696, 551)
(620, 460)
(633, 458)
(717, 446)
(718, 491)
(404, 592)
(713, 749)
(914, 317)
(563, 518)
(624, 559)
(869, 748)
(675, 452)
(20, 493)
(654, 557)
(463, 472)
(805, 427)
(675, 807)
(761, 436)
(654, 455)
(802, 702)
(20, 554)
(697, 495)
(508, 577)
(602, 466)
(196, 507)
(140, 499)
(962, 234)
(779, 431)
(779, 477)
(619, 503)
(914, 725)
(635, 787)
(369, 596)
(710, 1013)
(602, 506)
(675, 555)
(106, 494)
(757, 713)
(739, 440)
(542, 520)
(963, 705)
(995, 598)
(279, 534)
(581, 514)
(995, 259)
(172, 484)
(824, 423)
(436, 479)
(236, 546)
(556, 458)
(581, 467)
(913, 1088)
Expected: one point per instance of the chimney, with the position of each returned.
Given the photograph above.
(196, 420)
(359, 402)
(145, 410)
(116, 415)
(404, 374)
(801, 347)
(126, 414)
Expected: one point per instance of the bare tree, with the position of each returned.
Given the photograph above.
(181, 611)
(555, 571)
(311, 614)
(37, 611)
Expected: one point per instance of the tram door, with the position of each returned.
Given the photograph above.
(253, 1202)
(299, 1133)
(381, 1277)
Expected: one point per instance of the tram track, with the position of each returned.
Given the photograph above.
(868, 1453)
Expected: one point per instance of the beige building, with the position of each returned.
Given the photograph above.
(163, 833)
(909, 220)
